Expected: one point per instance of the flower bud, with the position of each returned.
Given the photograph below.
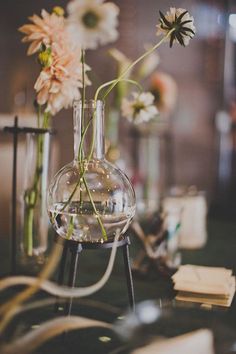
(45, 58)
(58, 10)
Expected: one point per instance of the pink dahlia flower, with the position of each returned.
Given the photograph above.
(58, 84)
(46, 30)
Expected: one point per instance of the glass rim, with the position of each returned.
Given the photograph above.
(88, 103)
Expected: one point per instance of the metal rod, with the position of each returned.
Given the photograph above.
(61, 272)
(77, 247)
(62, 265)
(73, 272)
(14, 196)
(26, 130)
(128, 274)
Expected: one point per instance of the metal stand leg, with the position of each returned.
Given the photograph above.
(14, 196)
(73, 273)
(75, 249)
(61, 272)
(62, 266)
(128, 274)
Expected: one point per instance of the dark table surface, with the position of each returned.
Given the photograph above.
(220, 250)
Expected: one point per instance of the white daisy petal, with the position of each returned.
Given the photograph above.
(139, 108)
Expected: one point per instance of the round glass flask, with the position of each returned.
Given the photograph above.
(90, 199)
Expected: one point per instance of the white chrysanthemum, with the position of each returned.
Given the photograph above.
(182, 23)
(92, 22)
(139, 108)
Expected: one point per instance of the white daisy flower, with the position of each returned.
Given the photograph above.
(139, 108)
(92, 22)
(182, 23)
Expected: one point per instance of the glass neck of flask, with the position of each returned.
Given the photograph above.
(89, 130)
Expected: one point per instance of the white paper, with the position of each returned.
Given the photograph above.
(197, 342)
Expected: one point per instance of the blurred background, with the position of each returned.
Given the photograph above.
(200, 147)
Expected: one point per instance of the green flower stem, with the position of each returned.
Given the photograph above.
(80, 157)
(70, 228)
(96, 98)
(28, 230)
(130, 67)
(81, 163)
(32, 194)
(78, 184)
(104, 233)
(72, 194)
(83, 95)
(108, 83)
(112, 84)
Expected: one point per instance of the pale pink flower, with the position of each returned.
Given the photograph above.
(46, 30)
(164, 89)
(58, 85)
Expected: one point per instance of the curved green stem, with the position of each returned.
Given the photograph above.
(72, 194)
(83, 94)
(112, 84)
(104, 233)
(96, 98)
(82, 123)
(136, 62)
(108, 83)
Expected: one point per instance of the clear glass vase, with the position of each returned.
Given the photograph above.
(152, 165)
(34, 218)
(90, 199)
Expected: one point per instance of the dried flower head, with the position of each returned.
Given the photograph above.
(43, 30)
(140, 108)
(92, 22)
(180, 22)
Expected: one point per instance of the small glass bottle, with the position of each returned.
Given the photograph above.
(34, 218)
(90, 199)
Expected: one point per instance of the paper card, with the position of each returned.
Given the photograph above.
(197, 342)
(226, 302)
(204, 288)
(209, 275)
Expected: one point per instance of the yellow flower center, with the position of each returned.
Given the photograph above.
(58, 10)
(138, 107)
(90, 19)
(45, 58)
